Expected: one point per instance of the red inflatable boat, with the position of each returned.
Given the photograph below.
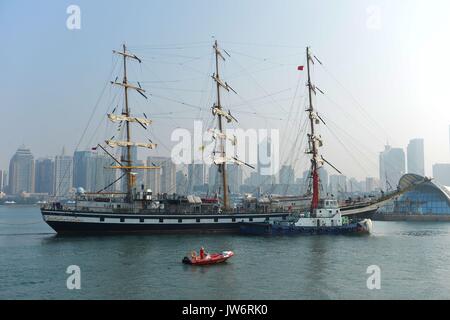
(212, 258)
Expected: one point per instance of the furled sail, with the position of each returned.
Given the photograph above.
(120, 117)
(222, 160)
(217, 134)
(114, 144)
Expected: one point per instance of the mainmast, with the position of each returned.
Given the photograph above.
(130, 177)
(222, 166)
(313, 140)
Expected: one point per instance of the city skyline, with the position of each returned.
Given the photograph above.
(263, 63)
(89, 170)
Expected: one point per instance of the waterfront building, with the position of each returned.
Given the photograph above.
(392, 167)
(423, 201)
(21, 172)
(416, 157)
(44, 175)
(63, 180)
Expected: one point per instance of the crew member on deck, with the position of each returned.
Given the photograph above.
(202, 253)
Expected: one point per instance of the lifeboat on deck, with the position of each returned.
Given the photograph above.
(213, 258)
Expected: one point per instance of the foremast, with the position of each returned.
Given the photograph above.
(126, 162)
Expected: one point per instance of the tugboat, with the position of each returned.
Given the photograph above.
(324, 216)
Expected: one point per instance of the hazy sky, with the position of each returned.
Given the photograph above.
(385, 75)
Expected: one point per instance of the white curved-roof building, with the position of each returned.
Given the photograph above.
(423, 198)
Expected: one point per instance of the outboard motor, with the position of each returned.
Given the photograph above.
(186, 260)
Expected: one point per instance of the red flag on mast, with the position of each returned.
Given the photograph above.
(300, 68)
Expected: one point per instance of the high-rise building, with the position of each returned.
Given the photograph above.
(371, 184)
(100, 177)
(196, 176)
(134, 162)
(287, 175)
(441, 173)
(21, 172)
(392, 167)
(234, 177)
(416, 157)
(181, 180)
(213, 178)
(63, 175)
(2, 181)
(44, 175)
(161, 180)
(323, 177)
(80, 169)
(338, 184)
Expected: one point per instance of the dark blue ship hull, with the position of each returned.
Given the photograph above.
(279, 229)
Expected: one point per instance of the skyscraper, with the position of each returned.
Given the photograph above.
(21, 172)
(392, 167)
(161, 180)
(213, 178)
(338, 184)
(196, 176)
(134, 159)
(44, 175)
(80, 169)
(441, 173)
(99, 176)
(2, 181)
(234, 178)
(323, 176)
(63, 174)
(287, 175)
(416, 157)
(181, 180)
(371, 184)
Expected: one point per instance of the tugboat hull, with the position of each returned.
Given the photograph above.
(359, 228)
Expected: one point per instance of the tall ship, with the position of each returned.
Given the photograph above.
(138, 209)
